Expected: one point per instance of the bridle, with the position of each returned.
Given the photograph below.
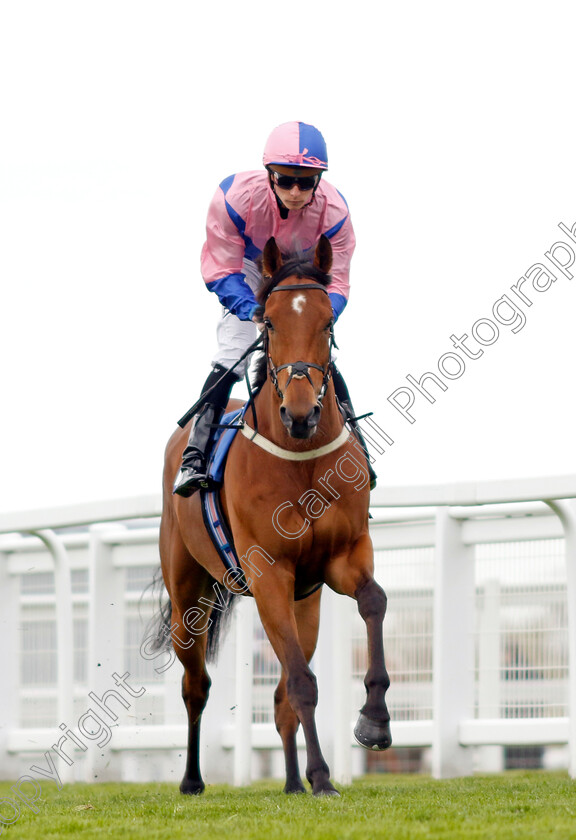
(299, 370)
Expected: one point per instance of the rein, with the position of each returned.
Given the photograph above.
(300, 370)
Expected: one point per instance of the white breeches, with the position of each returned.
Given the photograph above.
(233, 335)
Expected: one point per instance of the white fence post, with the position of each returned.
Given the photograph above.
(453, 648)
(566, 511)
(491, 758)
(341, 656)
(10, 652)
(244, 616)
(64, 634)
(106, 639)
(332, 665)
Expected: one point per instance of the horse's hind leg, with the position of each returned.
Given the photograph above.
(186, 582)
(189, 636)
(307, 614)
(195, 687)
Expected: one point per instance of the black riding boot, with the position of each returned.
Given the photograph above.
(193, 472)
(343, 397)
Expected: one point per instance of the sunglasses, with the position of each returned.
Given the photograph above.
(286, 182)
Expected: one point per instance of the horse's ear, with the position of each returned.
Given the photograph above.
(323, 255)
(271, 258)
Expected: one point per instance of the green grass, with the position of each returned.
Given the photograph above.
(514, 805)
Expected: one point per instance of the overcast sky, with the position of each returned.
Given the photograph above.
(451, 132)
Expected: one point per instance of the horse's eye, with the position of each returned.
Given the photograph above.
(268, 324)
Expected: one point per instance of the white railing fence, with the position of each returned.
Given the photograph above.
(480, 639)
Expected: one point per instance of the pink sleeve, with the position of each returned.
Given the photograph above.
(343, 243)
(338, 228)
(223, 251)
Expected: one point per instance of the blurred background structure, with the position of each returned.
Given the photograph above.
(478, 636)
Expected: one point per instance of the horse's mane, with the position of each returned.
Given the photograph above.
(295, 265)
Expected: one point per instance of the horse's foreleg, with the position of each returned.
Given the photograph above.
(373, 727)
(307, 614)
(353, 576)
(275, 606)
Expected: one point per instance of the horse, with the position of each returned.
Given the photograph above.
(295, 495)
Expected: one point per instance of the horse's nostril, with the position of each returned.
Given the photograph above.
(313, 416)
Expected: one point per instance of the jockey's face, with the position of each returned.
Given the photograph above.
(294, 198)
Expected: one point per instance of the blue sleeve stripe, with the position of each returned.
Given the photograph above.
(338, 303)
(334, 230)
(227, 183)
(251, 251)
(234, 294)
(237, 219)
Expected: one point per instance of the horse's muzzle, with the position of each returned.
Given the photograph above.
(299, 427)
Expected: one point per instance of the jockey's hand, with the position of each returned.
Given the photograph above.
(257, 317)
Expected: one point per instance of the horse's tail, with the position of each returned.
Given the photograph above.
(220, 619)
(158, 629)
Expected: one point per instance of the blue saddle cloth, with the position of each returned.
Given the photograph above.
(214, 519)
(223, 440)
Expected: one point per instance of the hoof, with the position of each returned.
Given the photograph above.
(373, 734)
(192, 788)
(295, 788)
(331, 791)
(323, 787)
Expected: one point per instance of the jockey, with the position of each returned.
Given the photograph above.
(287, 200)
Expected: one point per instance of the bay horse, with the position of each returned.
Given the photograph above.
(303, 506)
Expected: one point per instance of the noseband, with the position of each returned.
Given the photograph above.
(300, 370)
